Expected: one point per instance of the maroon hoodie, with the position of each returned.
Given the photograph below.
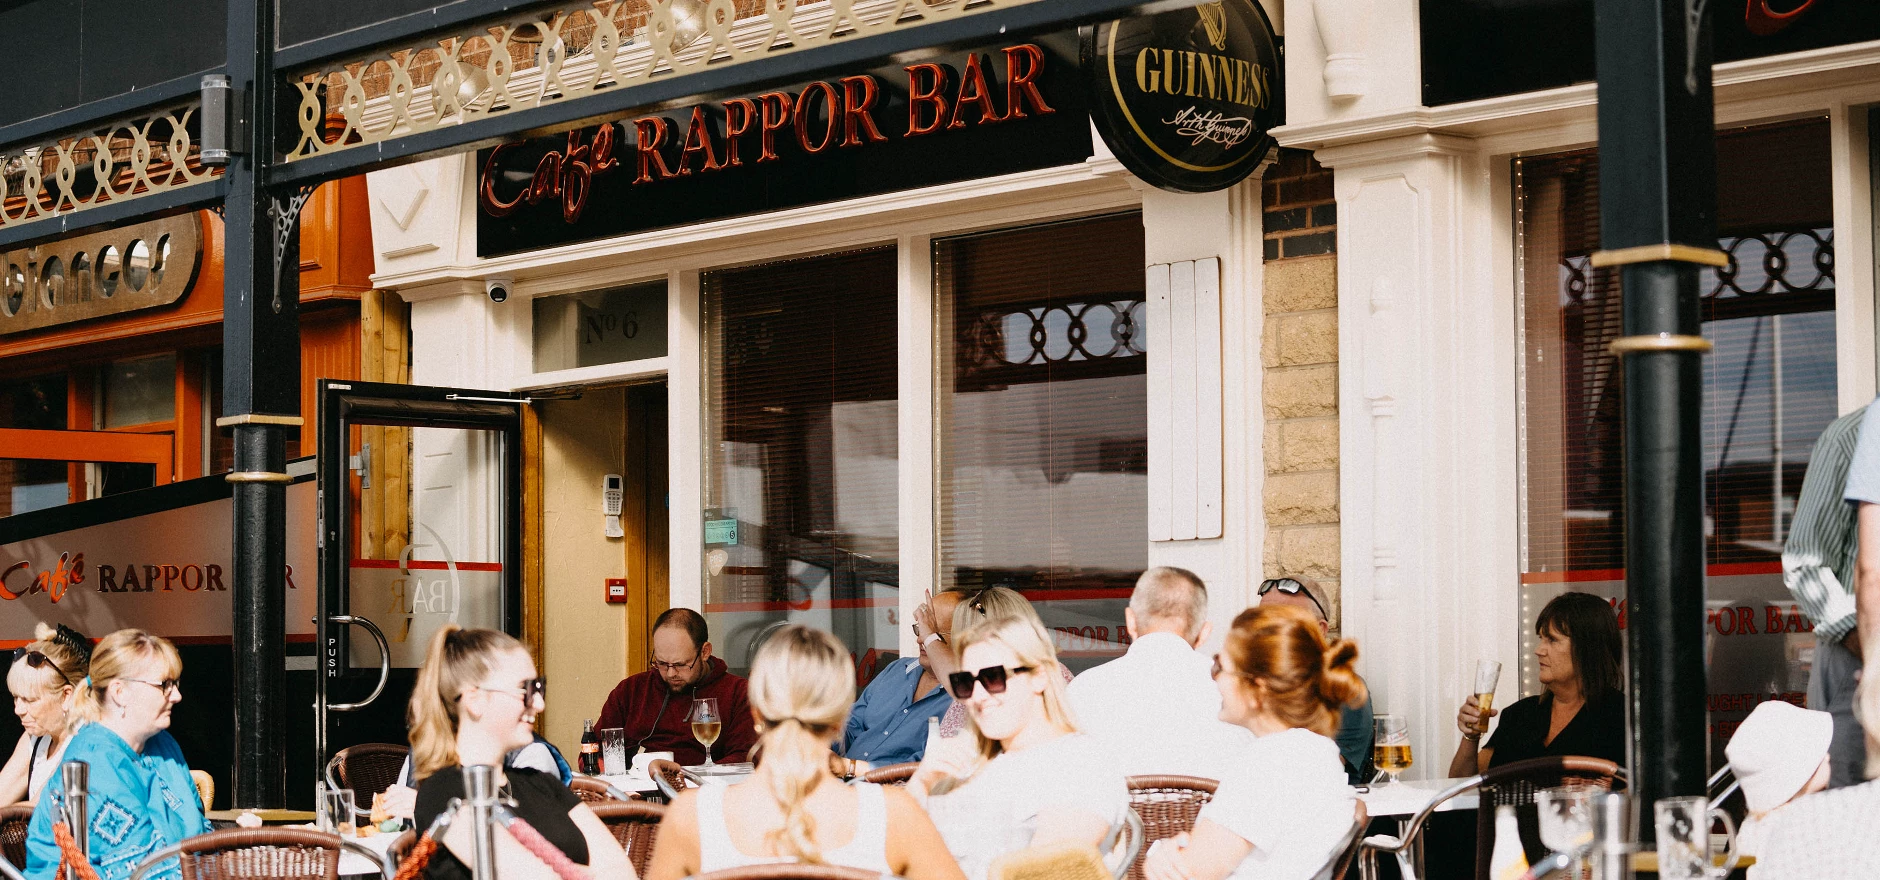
(654, 716)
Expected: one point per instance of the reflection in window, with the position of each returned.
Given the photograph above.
(802, 519)
(37, 404)
(1044, 429)
(140, 392)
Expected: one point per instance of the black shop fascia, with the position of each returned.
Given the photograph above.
(1002, 109)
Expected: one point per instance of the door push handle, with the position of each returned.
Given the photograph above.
(385, 661)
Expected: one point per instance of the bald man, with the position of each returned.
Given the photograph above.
(1354, 735)
(888, 724)
(1156, 708)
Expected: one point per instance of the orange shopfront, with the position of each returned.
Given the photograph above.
(110, 383)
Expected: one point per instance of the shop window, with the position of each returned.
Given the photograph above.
(37, 404)
(1769, 390)
(802, 519)
(140, 391)
(1044, 422)
(600, 327)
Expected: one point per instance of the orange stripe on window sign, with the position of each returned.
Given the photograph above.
(1723, 569)
(425, 565)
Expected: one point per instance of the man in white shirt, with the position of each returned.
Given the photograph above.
(1156, 708)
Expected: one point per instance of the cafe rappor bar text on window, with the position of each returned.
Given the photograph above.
(1769, 390)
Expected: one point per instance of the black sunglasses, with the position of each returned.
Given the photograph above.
(1291, 588)
(39, 661)
(993, 677)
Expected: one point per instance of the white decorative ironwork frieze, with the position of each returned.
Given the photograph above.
(125, 159)
(571, 51)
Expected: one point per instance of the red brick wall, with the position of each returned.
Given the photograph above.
(1301, 218)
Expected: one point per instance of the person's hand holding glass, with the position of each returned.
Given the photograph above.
(706, 725)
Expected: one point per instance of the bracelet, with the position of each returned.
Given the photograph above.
(1472, 737)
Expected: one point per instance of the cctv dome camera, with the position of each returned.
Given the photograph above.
(497, 288)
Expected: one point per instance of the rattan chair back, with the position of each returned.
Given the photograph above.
(636, 825)
(893, 774)
(256, 854)
(593, 790)
(205, 788)
(1057, 861)
(13, 823)
(671, 778)
(368, 769)
(1167, 806)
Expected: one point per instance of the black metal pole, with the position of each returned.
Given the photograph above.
(1657, 167)
(261, 401)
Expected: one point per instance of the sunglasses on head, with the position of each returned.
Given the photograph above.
(1291, 588)
(39, 661)
(993, 677)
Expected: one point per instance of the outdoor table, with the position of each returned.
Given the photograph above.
(639, 782)
(1402, 800)
(226, 818)
(1646, 862)
(351, 863)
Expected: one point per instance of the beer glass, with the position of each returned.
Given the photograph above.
(1683, 825)
(1487, 676)
(706, 725)
(1390, 748)
(1566, 819)
(613, 750)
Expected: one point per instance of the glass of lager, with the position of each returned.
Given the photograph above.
(1390, 749)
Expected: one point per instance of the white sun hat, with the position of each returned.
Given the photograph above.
(1777, 750)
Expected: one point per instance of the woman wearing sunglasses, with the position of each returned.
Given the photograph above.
(793, 809)
(476, 700)
(979, 606)
(1286, 805)
(139, 797)
(1022, 775)
(42, 677)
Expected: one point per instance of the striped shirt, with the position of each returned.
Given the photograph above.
(1818, 559)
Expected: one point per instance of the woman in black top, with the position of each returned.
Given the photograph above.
(475, 700)
(1581, 712)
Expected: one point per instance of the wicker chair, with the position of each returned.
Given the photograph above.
(368, 769)
(1167, 806)
(1512, 784)
(671, 778)
(257, 854)
(594, 790)
(1057, 861)
(792, 871)
(636, 825)
(13, 822)
(205, 788)
(893, 774)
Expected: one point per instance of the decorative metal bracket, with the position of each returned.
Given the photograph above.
(286, 225)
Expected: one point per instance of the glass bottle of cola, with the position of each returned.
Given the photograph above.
(590, 749)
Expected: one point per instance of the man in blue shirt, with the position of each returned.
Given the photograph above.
(888, 725)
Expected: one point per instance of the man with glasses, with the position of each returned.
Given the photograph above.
(1156, 709)
(1354, 726)
(653, 706)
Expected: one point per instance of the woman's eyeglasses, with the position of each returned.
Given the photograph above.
(1291, 588)
(37, 660)
(167, 686)
(993, 677)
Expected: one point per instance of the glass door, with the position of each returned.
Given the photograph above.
(420, 502)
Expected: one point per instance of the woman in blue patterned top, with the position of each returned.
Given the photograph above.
(141, 798)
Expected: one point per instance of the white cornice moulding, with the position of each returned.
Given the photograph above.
(1855, 66)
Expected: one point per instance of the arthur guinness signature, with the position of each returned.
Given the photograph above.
(1202, 125)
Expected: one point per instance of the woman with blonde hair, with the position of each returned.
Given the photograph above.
(140, 798)
(976, 607)
(475, 700)
(42, 677)
(1286, 805)
(1021, 775)
(793, 809)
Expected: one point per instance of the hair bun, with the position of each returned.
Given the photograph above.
(1339, 684)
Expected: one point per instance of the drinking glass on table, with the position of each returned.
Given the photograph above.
(1487, 676)
(1390, 749)
(339, 812)
(706, 725)
(1566, 819)
(1684, 844)
(613, 750)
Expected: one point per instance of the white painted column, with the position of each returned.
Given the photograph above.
(1226, 225)
(1853, 257)
(1428, 429)
(918, 453)
(685, 439)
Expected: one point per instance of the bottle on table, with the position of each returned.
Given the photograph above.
(1509, 861)
(590, 749)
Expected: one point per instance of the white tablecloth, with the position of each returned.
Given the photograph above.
(353, 863)
(1407, 797)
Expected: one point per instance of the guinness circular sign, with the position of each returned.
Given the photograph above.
(1185, 98)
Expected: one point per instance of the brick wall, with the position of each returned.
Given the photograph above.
(1301, 372)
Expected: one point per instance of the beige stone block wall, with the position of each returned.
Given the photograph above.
(1300, 375)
